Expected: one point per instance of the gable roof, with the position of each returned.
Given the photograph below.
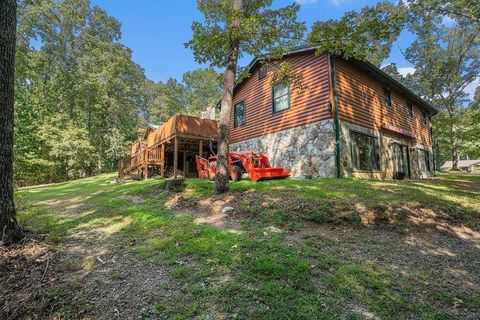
(365, 66)
(461, 163)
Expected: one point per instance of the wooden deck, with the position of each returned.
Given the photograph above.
(187, 135)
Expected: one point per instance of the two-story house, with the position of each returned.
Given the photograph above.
(348, 119)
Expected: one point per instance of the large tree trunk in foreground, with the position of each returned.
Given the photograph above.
(222, 175)
(9, 230)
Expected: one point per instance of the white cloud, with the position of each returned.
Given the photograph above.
(406, 70)
(339, 3)
(336, 3)
(470, 89)
(306, 1)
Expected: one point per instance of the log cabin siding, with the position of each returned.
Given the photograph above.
(360, 99)
(306, 105)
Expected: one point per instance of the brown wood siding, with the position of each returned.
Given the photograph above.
(306, 105)
(360, 99)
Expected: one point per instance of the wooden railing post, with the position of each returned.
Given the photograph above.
(121, 173)
(145, 157)
(184, 162)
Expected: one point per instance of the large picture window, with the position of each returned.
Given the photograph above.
(281, 96)
(239, 114)
(365, 152)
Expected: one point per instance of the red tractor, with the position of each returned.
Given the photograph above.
(255, 164)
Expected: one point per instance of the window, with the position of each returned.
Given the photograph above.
(281, 96)
(410, 109)
(239, 114)
(386, 98)
(424, 160)
(365, 152)
(424, 118)
(262, 73)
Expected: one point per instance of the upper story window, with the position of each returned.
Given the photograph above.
(262, 73)
(424, 118)
(387, 98)
(410, 109)
(281, 96)
(365, 152)
(239, 114)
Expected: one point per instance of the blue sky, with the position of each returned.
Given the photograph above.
(156, 31)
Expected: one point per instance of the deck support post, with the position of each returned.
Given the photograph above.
(200, 148)
(175, 159)
(162, 159)
(184, 162)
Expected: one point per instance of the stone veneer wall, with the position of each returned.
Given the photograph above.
(307, 150)
(386, 153)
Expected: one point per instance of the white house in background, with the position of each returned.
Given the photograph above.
(464, 165)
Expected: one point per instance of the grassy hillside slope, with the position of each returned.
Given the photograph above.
(290, 249)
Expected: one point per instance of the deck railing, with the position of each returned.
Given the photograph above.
(153, 155)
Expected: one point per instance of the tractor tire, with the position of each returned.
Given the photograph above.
(236, 173)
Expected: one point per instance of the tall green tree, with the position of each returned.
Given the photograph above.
(203, 88)
(72, 67)
(471, 133)
(167, 99)
(368, 34)
(231, 29)
(198, 89)
(446, 61)
(9, 229)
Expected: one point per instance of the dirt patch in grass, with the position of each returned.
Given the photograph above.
(135, 199)
(282, 209)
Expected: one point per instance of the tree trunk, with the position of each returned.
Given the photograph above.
(101, 151)
(9, 229)
(222, 175)
(454, 146)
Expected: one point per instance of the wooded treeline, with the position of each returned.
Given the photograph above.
(80, 98)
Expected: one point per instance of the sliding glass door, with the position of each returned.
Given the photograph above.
(401, 161)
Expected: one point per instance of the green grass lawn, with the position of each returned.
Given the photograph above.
(352, 249)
